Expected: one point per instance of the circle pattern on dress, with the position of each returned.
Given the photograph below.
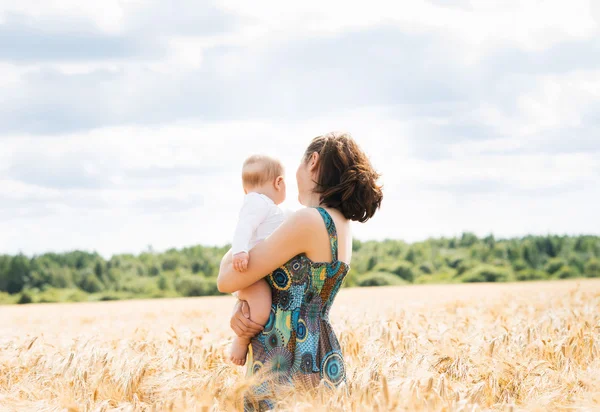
(256, 367)
(284, 299)
(312, 314)
(306, 364)
(281, 279)
(333, 369)
(270, 322)
(301, 331)
(274, 339)
(301, 275)
(279, 359)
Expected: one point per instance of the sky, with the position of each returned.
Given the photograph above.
(124, 123)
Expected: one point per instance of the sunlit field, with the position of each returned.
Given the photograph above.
(463, 347)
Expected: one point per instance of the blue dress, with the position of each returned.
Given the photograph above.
(298, 344)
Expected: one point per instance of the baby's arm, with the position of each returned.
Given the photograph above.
(254, 211)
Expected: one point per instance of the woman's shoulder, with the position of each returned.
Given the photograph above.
(311, 220)
(307, 217)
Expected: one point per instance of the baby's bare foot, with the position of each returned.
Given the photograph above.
(239, 350)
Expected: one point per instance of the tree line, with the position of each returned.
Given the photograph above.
(192, 271)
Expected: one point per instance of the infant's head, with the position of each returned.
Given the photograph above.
(264, 174)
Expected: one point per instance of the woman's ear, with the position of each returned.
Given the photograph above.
(313, 162)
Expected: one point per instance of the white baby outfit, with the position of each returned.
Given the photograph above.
(258, 218)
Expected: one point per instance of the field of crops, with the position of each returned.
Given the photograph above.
(463, 347)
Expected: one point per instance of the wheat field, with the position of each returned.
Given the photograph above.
(467, 347)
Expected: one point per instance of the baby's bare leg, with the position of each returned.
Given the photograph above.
(258, 296)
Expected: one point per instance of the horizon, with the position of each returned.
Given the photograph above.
(151, 249)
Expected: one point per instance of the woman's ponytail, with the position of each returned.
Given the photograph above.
(346, 179)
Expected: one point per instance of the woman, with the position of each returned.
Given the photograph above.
(305, 262)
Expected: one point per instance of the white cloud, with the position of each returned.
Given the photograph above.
(422, 198)
(560, 100)
(531, 25)
(480, 115)
(107, 15)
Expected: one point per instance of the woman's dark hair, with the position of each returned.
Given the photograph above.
(346, 179)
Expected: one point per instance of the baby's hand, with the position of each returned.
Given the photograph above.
(240, 261)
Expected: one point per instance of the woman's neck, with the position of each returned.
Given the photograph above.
(314, 200)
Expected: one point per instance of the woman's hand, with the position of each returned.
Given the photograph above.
(241, 323)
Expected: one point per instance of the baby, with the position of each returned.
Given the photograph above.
(264, 185)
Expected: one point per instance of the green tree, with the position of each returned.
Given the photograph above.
(163, 283)
(490, 241)
(554, 265)
(454, 260)
(18, 274)
(25, 299)
(592, 268)
(513, 252)
(566, 272)
(427, 268)
(465, 265)
(411, 256)
(142, 286)
(379, 279)
(196, 286)
(98, 270)
(372, 262)
(519, 265)
(402, 269)
(468, 239)
(530, 253)
(577, 263)
(90, 283)
(531, 274)
(196, 267)
(170, 263)
(486, 273)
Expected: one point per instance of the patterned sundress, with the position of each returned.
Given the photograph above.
(298, 343)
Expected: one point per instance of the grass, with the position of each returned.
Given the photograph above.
(514, 346)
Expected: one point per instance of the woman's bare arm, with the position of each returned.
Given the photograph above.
(293, 237)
